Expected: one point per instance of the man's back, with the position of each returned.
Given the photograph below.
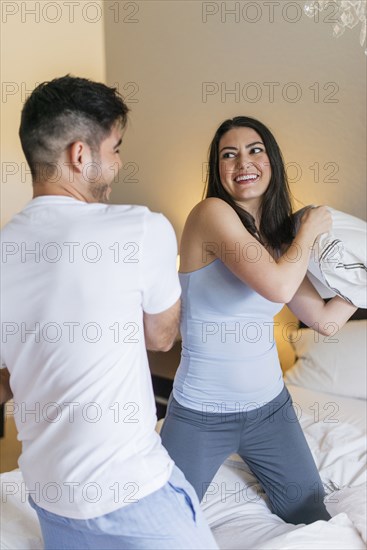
(86, 288)
(76, 278)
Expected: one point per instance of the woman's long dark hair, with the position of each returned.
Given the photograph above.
(276, 221)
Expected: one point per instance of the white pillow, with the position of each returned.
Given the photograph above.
(332, 364)
(352, 501)
(339, 258)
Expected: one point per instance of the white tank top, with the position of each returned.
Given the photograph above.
(229, 360)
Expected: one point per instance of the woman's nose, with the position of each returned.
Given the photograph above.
(244, 162)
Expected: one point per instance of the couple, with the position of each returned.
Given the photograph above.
(87, 287)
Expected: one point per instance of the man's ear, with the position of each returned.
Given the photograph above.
(79, 155)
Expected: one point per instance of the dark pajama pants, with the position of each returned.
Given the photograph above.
(269, 439)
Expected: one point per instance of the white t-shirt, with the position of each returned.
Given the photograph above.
(76, 278)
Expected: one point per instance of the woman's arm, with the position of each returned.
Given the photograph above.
(215, 226)
(324, 317)
(5, 391)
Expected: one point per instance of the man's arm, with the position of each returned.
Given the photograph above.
(161, 329)
(5, 391)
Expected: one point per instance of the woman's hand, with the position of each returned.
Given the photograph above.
(316, 220)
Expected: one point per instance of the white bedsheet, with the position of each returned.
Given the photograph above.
(235, 505)
(238, 514)
(335, 428)
(19, 524)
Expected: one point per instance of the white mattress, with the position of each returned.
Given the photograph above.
(235, 506)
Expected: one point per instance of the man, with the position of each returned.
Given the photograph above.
(86, 288)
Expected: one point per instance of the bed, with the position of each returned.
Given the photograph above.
(328, 387)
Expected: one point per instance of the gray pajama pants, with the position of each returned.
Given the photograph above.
(269, 439)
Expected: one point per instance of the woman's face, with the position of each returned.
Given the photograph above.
(244, 167)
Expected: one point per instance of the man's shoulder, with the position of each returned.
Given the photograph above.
(129, 209)
(138, 211)
(134, 212)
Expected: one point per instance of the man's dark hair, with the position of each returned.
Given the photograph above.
(276, 223)
(63, 111)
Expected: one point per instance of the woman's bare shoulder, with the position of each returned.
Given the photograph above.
(201, 230)
(212, 206)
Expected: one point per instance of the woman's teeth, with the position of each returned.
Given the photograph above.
(248, 177)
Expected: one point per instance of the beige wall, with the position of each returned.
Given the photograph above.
(40, 41)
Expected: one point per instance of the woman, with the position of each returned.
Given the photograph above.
(240, 262)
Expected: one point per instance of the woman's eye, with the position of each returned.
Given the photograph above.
(257, 150)
(228, 155)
